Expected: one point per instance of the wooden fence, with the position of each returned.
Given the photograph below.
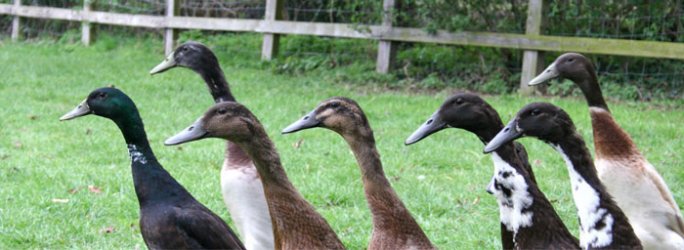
(532, 42)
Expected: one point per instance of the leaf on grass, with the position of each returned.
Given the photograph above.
(298, 144)
(94, 189)
(56, 200)
(89, 131)
(33, 117)
(17, 144)
(537, 162)
(75, 190)
(476, 200)
(108, 230)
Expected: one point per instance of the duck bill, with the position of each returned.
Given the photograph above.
(506, 135)
(431, 126)
(168, 63)
(308, 121)
(80, 110)
(193, 132)
(549, 73)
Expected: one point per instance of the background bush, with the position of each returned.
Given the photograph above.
(432, 66)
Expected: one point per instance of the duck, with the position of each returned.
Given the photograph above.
(603, 225)
(528, 220)
(241, 188)
(170, 217)
(393, 225)
(635, 184)
(296, 224)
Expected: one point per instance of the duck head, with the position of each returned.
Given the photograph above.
(542, 120)
(106, 102)
(228, 120)
(462, 110)
(573, 66)
(339, 114)
(192, 55)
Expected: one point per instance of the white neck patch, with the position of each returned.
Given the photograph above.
(596, 224)
(511, 205)
(136, 155)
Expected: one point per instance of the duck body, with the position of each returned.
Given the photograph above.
(241, 185)
(393, 225)
(647, 202)
(634, 183)
(528, 220)
(170, 217)
(296, 224)
(603, 225)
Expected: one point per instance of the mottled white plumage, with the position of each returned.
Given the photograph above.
(588, 201)
(511, 208)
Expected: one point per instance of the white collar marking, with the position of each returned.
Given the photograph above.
(136, 155)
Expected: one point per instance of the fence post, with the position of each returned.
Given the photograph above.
(16, 23)
(170, 35)
(87, 29)
(533, 61)
(274, 11)
(386, 49)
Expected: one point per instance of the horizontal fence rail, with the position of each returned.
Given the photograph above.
(373, 32)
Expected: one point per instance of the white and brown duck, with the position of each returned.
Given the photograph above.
(241, 185)
(635, 184)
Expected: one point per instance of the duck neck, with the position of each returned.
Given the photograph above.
(294, 220)
(216, 82)
(591, 89)
(149, 177)
(218, 87)
(486, 131)
(267, 161)
(601, 220)
(611, 142)
(387, 209)
(510, 152)
(511, 187)
(524, 209)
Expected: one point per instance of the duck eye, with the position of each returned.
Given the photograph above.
(571, 59)
(221, 111)
(335, 104)
(102, 95)
(535, 112)
(459, 101)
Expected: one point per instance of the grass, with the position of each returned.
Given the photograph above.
(46, 166)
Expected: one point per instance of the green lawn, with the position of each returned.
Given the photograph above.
(46, 166)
